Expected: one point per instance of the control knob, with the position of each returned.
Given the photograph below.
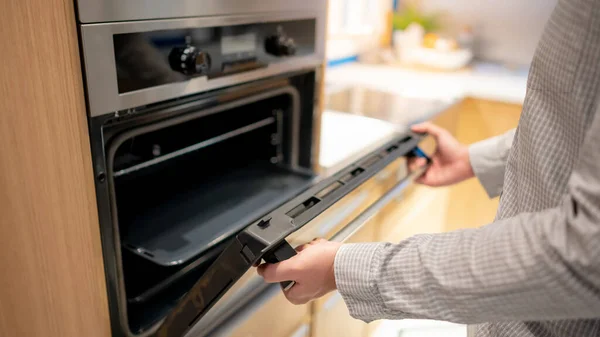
(189, 60)
(280, 44)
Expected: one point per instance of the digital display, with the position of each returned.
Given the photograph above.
(234, 44)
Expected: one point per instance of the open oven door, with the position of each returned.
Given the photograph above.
(265, 239)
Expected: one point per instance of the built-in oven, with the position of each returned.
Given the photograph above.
(204, 134)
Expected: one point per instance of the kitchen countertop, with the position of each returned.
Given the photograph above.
(481, 80)
(345, 138)
(357, 120)
(365, 105)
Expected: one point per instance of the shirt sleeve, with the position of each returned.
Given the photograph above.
(488, 160)
(534, 266)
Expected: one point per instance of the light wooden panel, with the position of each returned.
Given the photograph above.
(51, 280)
(468, 204)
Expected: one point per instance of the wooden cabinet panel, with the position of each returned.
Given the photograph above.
(52, 279)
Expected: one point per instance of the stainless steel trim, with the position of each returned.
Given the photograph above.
(100, 66)
(198, 146)
(118, 10)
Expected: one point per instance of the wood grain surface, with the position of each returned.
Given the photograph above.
(51, 270)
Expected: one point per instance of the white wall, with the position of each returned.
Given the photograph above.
(508, 30)
(355, 26)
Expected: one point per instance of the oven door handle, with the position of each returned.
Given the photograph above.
(264, 238)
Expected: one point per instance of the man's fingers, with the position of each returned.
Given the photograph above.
(313, 241)
(427, 178)
(302, 247)
(278, 272)
(429, 128)
(295, 295)
(416, 163)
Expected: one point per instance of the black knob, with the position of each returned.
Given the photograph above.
(280, 44)
(189, 60)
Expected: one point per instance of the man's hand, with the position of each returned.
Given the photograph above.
(450, 163)
(312, 270)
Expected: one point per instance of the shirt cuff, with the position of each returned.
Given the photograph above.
(489, 170)
(355, 267)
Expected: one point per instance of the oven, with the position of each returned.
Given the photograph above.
(204, 125)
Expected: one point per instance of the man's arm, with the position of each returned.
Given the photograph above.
(535, 266)
(488, 160)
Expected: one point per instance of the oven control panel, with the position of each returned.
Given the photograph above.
(154, 58)
(189, 60)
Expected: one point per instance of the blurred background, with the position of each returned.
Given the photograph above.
(446, 34)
